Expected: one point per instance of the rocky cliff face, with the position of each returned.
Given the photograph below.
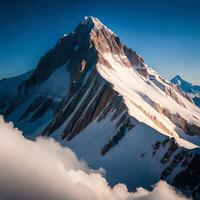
(180, 167)
(97, 96)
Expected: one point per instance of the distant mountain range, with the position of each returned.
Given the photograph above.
(193, 91)
(97, 96)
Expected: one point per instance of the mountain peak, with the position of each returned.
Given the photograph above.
(193, 91)
(92, 89)
(90, 20)
(178, 77)
(94, 22)
(177, 80)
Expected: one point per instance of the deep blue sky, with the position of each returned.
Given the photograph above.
(165, 32)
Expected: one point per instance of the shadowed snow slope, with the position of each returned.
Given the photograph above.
(9, 88)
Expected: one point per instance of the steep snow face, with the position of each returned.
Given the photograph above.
(141, 94)
(134, 152)
(193, 91)
(57, 85)
(35, 113)
(140, 158)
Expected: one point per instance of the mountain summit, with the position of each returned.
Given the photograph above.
(97, 96)
(94, 22)
(193, 91)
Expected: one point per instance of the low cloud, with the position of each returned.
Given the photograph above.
(43, 170)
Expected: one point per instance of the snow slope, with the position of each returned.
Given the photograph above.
(44, 99)
(135, 89)
(57, 85)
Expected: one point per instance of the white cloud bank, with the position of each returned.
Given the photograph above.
(43, 170)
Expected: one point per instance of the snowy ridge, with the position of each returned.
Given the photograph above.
(89, 20)
(134, 90)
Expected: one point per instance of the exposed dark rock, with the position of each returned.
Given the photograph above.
(189, 177)
(123, 129)
(172, 148)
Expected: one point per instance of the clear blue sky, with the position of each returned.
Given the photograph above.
(165, 32)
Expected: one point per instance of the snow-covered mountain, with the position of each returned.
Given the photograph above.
(97, 96)
(193, 91)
